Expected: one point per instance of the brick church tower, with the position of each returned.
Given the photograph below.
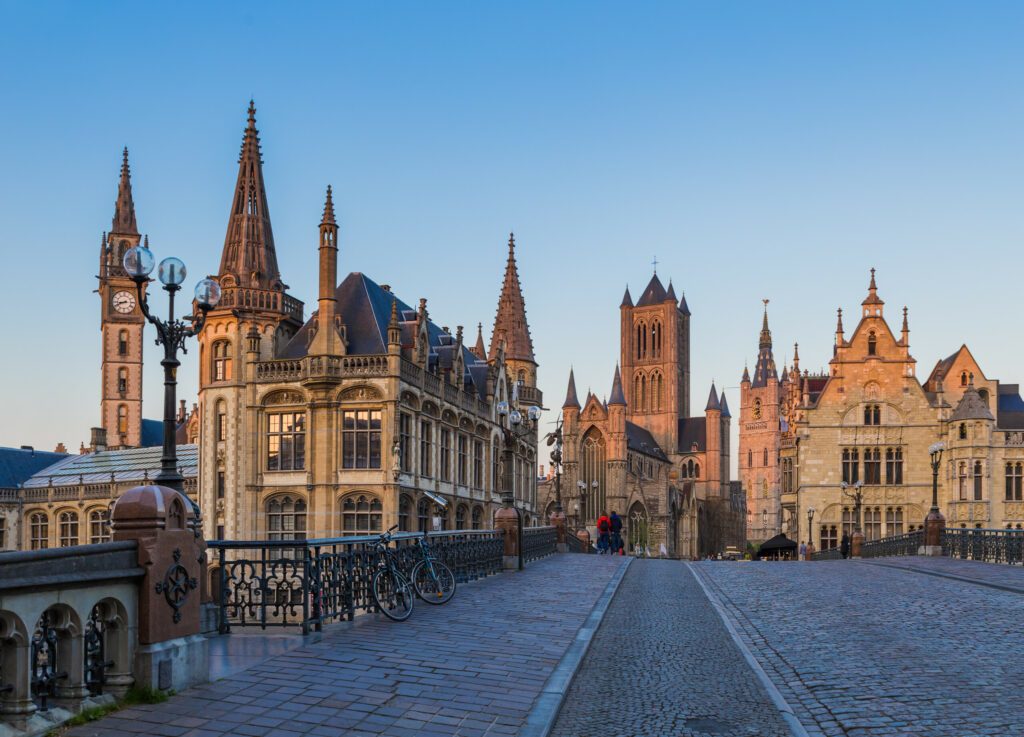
(510, 327)
(121, 323)
(760, 437)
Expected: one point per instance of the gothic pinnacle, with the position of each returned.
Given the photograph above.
(328, 218)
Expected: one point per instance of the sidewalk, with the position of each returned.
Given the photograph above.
(472, 668)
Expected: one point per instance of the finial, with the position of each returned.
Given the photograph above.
(328, 218)
(145, 240)
(906, 327)
(252, 113)
(124, 162)
(654, 263)
(872, 286)
(511, 243)
(839, 323)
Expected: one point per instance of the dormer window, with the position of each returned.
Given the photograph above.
(872, 344)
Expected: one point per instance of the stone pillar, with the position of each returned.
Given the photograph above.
(857, 542)
(584, 537)
(557, 520)
(16, 705)
(810, 551)
(506, 520)
(934, 523)
(172, 654)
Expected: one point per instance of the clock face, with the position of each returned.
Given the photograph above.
(123, 302)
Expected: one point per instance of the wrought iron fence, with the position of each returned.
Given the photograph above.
(830, 554)
(990, 546)
(539, 542)
(886, 547)
(306, 583)
(576, 545)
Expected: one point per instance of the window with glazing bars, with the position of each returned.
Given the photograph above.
(360, 438)
(286, 441)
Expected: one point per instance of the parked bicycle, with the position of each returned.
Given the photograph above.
(433, 580)
(392, 592)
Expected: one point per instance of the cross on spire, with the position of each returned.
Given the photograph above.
(654, 263)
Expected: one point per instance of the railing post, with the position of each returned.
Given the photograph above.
(222, 594)
(306, 589)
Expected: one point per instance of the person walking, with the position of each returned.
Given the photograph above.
(844, 546)
(803, 551)
(616, 533)
(604, 526)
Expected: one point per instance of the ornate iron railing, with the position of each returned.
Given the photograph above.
(306, 583)
(830, 554)
(576, 545)
(539, 542)
(990, 546)
(886, 547)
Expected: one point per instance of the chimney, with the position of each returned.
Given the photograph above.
(98, 438)
(181, 411)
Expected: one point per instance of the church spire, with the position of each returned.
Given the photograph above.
(570, 394)
(618, 397)
(479, 350)
(510, 323)
(764, 369)
(249, 255)
(124, 207)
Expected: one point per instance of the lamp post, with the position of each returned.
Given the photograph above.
(810, 532)
(171, 334)
(514, 425)
(857, 495)
(581, 508)
(934, 522)
(557, 518)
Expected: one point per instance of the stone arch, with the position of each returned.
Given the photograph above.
(283, 396)
(107, 648)
(15, 659)
(461, 517)
(359, 393)
(638, 526)
(362, 513)
(57, 654)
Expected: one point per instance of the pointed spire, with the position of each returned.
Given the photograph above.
(627, 300)
(570, 394)
(510, 322)
(764, 369)
(796, 356)
(746, 374)
(906, 325)
(328, 218)
(670, 293)
(249, 254)
(618, 398)
(725, 406)
(479, 350)
(653, 294)
(714, 404)
(873, 298)
(839, 321)
(124, 208)
(683, 307)
(766, 334)
(394, 327)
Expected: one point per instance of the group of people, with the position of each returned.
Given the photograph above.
(609, 534)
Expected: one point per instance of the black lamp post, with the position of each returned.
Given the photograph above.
(934, 522)
(171, 334)
(514, 426)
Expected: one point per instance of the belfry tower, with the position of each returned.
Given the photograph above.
(121, 322)
(511, 327)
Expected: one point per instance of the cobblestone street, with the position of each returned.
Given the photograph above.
(864, 649)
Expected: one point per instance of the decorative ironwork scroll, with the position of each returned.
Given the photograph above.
(176, 585)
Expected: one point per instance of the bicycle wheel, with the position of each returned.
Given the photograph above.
(435, 584)
(392, 594)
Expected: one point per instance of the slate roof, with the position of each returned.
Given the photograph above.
(130, 464)
(693, 430)
(641, 440)
(1010, 408)
(683, 307)
(570, 393)
(18, 464)
(365, 309)
(653, 294)
(971, 407)
(152, 433)
(617, 398)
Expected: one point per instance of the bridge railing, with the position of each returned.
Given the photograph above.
(307, 583)
(576, 545)
(539, 542)
(990, 546)
(830, 554)
(885, 547)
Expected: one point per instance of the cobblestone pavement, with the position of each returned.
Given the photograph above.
(1004, 576)
(472, 667)
(663, 664)
(862, 650)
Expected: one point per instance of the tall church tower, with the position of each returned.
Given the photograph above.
(760, 439)
(655, 358)
(511, 327)
(121, 322)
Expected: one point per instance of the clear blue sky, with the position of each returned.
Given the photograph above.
(757, 149)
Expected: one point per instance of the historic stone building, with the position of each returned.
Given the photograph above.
(362, 416)
(868, 425)
(641, 453)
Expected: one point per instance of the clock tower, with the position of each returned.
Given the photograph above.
(121, 322)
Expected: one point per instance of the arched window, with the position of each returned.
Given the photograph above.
(423, 514)
(872, 344)
(1014, 477)
(963, 431)
(962, 480)
(122, 343)
(99, 526)
(39, 531)
(122, 419)
(122, 381)
(404, 513)
(639, 527)
(696, 470)
(977, 481)
(286, 519)
(765, 456)
(656, 339)
(641, 340)
(460, 517)
(750, 459)
(963, 378)
(222, 361)
(636, 393)
(68, 529)
(592, 473)
(643, 394)
(478, 517)
(361, 514)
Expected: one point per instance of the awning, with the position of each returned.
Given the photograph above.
(436, 498)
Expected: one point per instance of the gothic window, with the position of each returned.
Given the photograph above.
(592, 470)
(963, 431)
(221, 361)
(39, 531)
(462, 445)
(656, 392)
(405, 441)
(643, 394)
(788, 479)
(894, 466)
(99, 526)
(750, 459)
(460, 517)
(963, 378)
(829, 537)
(962, 480)
(641, 340)
(122, 381)
(894, 520)
(977, 481)
(360, 445)
(872, 414)
(423, 514)
(872, 344)
(404, 513)
(286, 441)
(286, 519)
(872, 523)
(656, 339)
(122, 343)
(495, 455)
(122, 419)
(222, 422)
(68, 529)
(478, 464)
(1014, 477)
(445, 469)
(220, 485)
(426, 443)
(478, 517)
(873, 466)
(851, 465)
(696, 470)
(765, 462)
(849, 521)
(361, 514)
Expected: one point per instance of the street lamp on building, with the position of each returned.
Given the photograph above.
(934, 522)
(171, 334)
(810, 530)
(514, 425)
